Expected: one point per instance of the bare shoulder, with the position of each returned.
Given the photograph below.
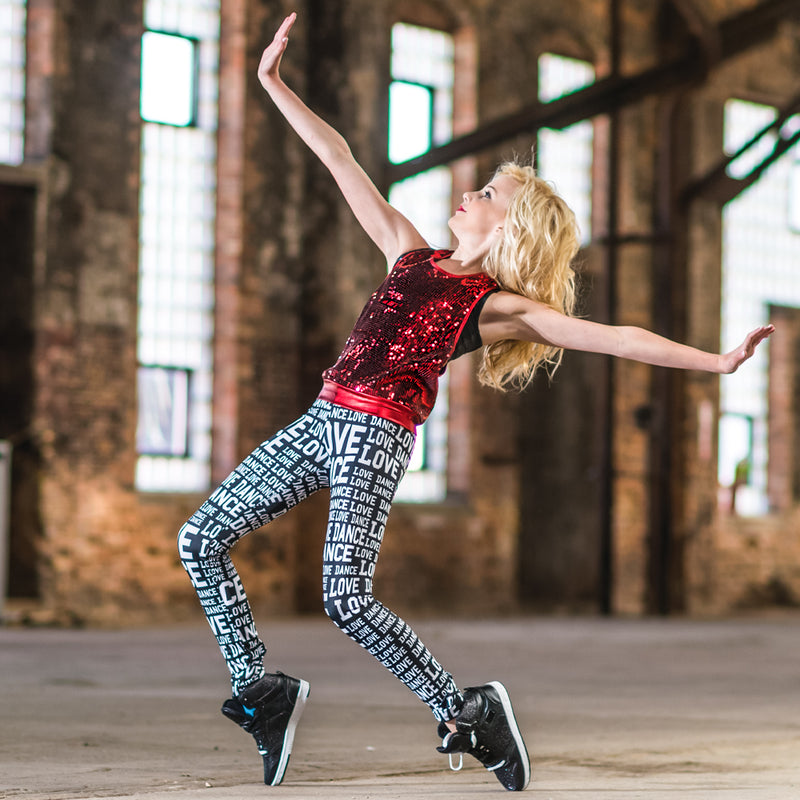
(511, 316)
(507, 305)
(501, 316)
(503, 303)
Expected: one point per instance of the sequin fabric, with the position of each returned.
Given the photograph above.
(407, 332)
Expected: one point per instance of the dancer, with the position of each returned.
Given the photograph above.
(507, 286)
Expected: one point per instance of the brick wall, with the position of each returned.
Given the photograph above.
(547, 508)
(731, 563)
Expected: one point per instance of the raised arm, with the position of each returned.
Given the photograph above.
(386, 226)
(510, 316)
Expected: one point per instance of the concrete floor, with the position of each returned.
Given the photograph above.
(611, 710)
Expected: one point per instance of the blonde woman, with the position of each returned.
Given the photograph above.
(507, 286)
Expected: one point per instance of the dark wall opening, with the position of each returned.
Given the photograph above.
(17, 214)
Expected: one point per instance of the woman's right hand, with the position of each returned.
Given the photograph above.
(271, 57)
(730, 362)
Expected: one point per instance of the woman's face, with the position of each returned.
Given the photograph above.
(480, 217)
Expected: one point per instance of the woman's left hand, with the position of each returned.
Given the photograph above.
(733, 360)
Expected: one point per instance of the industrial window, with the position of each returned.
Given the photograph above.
(163, 411)
(176, 244)
(794, 195)
(12, 81)
(564, 157)
(169, 77)
(421, 116)
(760, 253)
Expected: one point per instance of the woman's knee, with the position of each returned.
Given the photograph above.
(342, 609)
(191, 544)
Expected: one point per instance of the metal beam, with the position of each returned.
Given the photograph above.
(719, 185)
(733, 35)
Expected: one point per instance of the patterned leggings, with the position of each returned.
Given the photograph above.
(362, 459)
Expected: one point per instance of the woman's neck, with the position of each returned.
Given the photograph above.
(463, 262)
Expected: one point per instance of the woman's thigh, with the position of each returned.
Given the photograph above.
(369, 457)
(277, 475)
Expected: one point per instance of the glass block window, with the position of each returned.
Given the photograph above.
(564, 157)
(794, 195)
(164, 411)
(176, 244)
(421, 116)
(12, 81)
(742, 121)
(426, 200)
(760, 253)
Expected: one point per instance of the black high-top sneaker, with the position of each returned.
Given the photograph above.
(486, 729)
(270, 710)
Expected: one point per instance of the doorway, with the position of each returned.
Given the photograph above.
(17, 383)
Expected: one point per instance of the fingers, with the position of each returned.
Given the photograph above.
(283, 32)
(748, 347)
(754, 339)
(271, 57)
(762, 332)
(758, 335)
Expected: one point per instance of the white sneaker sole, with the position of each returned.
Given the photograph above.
(288, 737)
(512, 724)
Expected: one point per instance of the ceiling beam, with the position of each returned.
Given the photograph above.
(717, 184)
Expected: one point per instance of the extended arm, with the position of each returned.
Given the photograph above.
(387, 227)
(510, 316)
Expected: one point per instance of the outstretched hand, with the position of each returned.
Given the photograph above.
(271, 57)
(733, 360)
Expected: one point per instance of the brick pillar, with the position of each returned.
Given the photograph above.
(783, 478)
(231, 168)
(87, 75)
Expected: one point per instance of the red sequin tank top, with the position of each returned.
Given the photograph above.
(406, 334)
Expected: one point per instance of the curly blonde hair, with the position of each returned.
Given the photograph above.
(532, 257)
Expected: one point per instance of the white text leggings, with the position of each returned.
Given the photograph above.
(362, 459)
